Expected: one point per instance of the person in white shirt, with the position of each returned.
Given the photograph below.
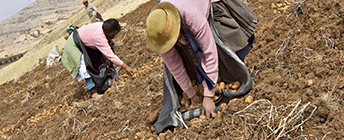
(92, 12)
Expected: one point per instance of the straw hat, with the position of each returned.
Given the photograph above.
(84, 1)
(163, 26)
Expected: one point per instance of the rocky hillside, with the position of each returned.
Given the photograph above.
(20, 32)
(52, 35)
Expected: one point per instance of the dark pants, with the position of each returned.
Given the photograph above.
(99, 17)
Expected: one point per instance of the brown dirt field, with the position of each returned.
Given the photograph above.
(302, 43)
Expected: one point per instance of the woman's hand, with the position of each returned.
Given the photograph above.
(208, 107)
(195, 100)
(128, 69)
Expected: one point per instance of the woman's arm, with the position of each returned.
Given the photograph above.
(206, 41)
(175, 64)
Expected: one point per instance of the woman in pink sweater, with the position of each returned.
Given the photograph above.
(163, 31)
(95, 37)
(182, 34)
(166, 25)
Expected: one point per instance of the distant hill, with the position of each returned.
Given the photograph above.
(29, 25)
(42, 25)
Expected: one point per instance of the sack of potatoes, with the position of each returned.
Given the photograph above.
(186, 103)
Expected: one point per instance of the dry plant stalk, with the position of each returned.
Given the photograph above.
(79, 126)
(280, 53)
(328, 41)
(267, 121)
(298, 7)
(124, 127)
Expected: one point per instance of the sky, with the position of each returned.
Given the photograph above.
(11, 7)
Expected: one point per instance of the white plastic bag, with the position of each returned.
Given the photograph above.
(53, 56)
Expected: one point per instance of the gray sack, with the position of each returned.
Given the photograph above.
(231, 68)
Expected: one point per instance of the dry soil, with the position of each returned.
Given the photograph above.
(296, 65)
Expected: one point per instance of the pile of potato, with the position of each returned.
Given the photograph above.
(185, 102)
(233, 86)
(281, 7)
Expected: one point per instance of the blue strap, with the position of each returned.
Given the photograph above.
(194, 44)
(201, 75)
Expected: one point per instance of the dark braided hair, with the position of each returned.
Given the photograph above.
(111, 26)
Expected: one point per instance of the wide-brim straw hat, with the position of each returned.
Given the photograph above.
(83, 1)
(163, 26)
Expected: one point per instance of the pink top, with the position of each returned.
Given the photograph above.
(194, 13)
(92, 36)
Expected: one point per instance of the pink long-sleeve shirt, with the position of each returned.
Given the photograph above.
(92, 36)
(194, 13)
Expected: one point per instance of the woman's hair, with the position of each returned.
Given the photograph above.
(111, 26)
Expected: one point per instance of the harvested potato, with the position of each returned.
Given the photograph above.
(187, 105)
(223, 106)
(222, 85)
(194, 120)
(249, 99)
(275, 11)
(279, 5)
(194, 106)
(182, 102)
(236, 85)
(310, 83)
(287, 2)
(152, 128)
(218, 89)
(203, 117)
(137, 135)
(216, 97)
(229, 86)
(218, 114)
